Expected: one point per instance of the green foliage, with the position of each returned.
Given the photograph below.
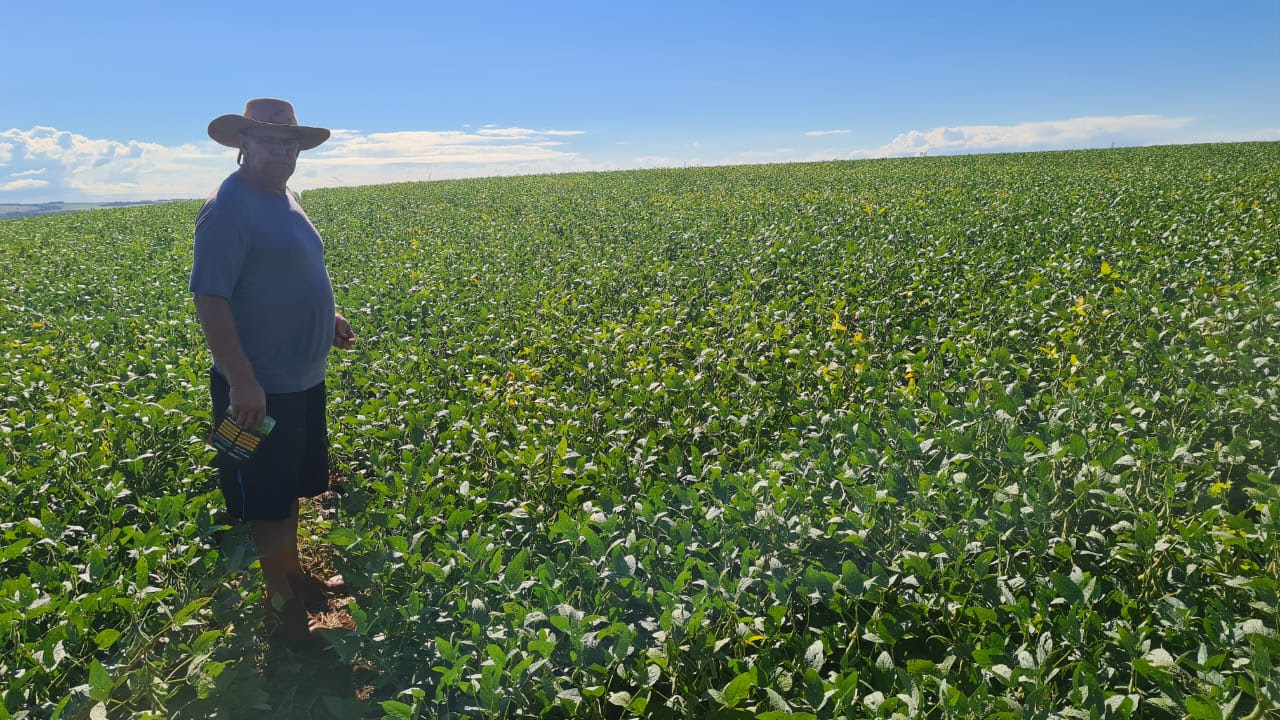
(991, 436)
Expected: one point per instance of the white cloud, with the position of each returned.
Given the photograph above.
(428, 147)
(351, 158)
(73, 167)
(490, 131)
(44, 164)
(23, 185)
(1055, 134)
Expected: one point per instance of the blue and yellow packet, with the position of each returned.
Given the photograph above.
(238, 442)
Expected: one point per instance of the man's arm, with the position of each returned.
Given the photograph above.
(219, 326)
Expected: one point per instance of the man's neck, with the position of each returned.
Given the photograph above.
(266, 185)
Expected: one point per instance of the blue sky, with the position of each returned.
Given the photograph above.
(110, 101)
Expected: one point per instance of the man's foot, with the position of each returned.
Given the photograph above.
(294, 627)
(315, 592)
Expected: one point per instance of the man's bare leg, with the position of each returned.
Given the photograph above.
(278, 554)
(277, 543)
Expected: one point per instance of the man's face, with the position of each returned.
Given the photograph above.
(269, 153)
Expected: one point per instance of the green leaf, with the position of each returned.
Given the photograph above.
(457, 519)
(1154, 667)
(983, 615)
(58, 709)
(397, 709)
(106, 638)
(342, 537)
(1077, 445)
(13, 549)
(205, 642)
(815, 691)
(99, 682)
(594, 544)
(921, 667)
(1200, 708)
(183, 616)
(739, 688)
(359, 614)
(1066, 588)
(496, 654)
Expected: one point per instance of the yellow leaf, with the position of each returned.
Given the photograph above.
(836, 325)
(755, 639)
(1106, 269)
(37, 325)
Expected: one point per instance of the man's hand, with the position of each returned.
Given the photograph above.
(248, 404)
(343, 336)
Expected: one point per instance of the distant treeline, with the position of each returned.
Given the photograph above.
(50, 208)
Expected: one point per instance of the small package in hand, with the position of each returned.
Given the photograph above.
(238, 442)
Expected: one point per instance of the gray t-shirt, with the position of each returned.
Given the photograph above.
(260, 252)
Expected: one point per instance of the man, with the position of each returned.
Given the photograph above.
(265, 303)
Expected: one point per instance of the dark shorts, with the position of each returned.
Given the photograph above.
(291, 463)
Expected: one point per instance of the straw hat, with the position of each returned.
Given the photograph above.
(265, 113)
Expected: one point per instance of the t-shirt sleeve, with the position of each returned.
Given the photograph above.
(220, 250)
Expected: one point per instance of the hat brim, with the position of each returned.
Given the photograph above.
(226, 130)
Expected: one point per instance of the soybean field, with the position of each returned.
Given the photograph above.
(953, 437)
